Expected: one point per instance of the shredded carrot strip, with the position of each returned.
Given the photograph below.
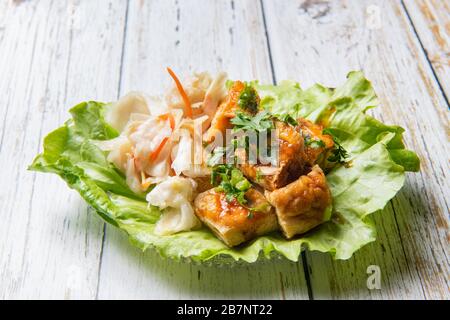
(169, 116)
(234, 92)
(187, 103)
(157, 151)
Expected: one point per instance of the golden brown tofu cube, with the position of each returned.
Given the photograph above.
(232, 222)
(302, 204)
(203, 183)
(290, 158)
(317, 146)
(221, 120)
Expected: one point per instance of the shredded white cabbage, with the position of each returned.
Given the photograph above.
(119, 113)
(195, 88)
(182, 153)
(214, 95)
(158, 145)
(174, 196)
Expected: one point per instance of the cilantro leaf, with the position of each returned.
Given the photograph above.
(231, 181)
(314, 143)
(262, 121)
(249, 99)
(339, 153)
(287, 118)
(217, 156)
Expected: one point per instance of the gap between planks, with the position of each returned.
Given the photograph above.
(305, 265)
(136, 53)
(425, 52)
(283, 56)
(119, 88)
(304, 258)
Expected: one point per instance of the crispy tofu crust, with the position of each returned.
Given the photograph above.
(300, 201)
(203, 183)
(302, 204)
(224, 113)
(316, 155)
(276, 178)
(290, 160)
(230, 221)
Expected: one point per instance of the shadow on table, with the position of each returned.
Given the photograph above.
(156, 277)
(276, 279)
(403, 252)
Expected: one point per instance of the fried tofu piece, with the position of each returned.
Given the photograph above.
(221, 120)
(232, 222)
(302, 204)
(290, 161)
(317, 146)
(203, 183)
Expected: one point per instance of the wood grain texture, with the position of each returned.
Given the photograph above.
(217, 35)
(431, 21)
(413, 239)
(53, 56)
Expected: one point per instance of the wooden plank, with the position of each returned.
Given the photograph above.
(53, 55)
(192, 35)
(431, 21)
(320, 41)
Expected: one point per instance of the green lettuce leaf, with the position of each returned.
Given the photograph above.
(342, 111)
(374, 174)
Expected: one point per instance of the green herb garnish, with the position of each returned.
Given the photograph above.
(339, 153)
(287, 118)
(217, 156)
(248, 99)
(314, 143)
(231, 181)
(258, 175)
(260, 122)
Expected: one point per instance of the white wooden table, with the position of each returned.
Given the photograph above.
(54, 54)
